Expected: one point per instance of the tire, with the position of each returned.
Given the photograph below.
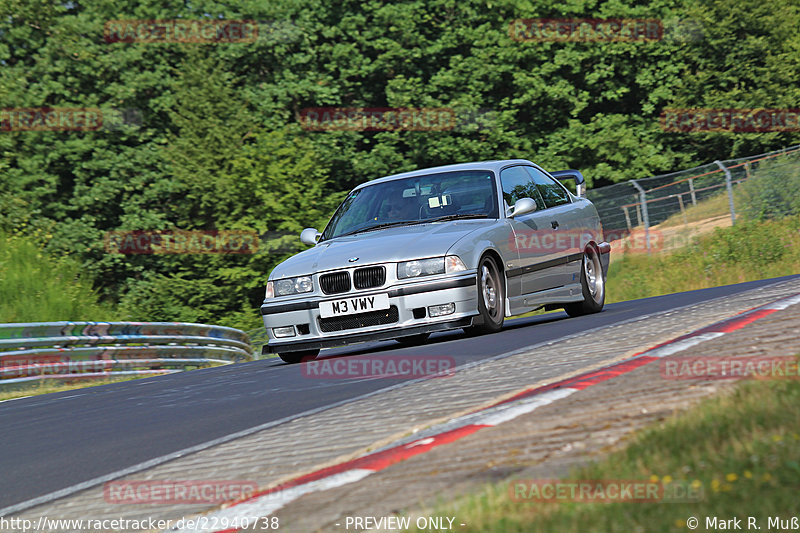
(414, 340)
(491, 298)
(298, 357)
(593, 285)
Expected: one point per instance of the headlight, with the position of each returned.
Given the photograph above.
(286, 286)
(428, 267)
(421, 267)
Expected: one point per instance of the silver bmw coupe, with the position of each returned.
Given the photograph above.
(458, 246)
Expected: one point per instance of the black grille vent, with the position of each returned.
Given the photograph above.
(362, 320)
(335, 282)
(368, 277)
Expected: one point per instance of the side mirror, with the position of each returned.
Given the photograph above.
(310, 236)
(522, 207)
(580, 182)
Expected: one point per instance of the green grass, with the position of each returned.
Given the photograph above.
(35, 287)
(741, 450)
(713, 206)
(745, 252)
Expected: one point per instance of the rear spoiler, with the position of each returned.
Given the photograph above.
(580, 181)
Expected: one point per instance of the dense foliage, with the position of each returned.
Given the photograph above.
(35, 287)
(219, 146)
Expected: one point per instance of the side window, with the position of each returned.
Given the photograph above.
(553, 193)
(517, 183)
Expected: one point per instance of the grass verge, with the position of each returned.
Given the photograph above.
(742, 450)
(746, 252)
(713, 206)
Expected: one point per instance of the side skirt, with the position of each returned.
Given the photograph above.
(560, 295)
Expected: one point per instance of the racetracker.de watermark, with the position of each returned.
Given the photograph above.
(546, 241)
(755, 120)
(23, 366)
(635, 240)
(604, 491)
(177, 492)
(586, 30)
(180, 242)
(67, 119)
(720, 367)
(376, 366)
(394, 119)
(181, 31)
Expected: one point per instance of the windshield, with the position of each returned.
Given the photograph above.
(460, 194)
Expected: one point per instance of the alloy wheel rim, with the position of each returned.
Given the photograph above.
(489, 290)
(594, 279)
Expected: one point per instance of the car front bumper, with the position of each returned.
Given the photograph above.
(407, 302)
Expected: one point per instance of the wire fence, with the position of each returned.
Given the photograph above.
(701, 193)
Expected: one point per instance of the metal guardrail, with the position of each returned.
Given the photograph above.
(83, 350)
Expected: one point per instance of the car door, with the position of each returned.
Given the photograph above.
(538, 267)
(565, 223)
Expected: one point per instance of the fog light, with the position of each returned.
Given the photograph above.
(440, 310)
(287, 331)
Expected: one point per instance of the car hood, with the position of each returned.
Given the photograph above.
(399, 243)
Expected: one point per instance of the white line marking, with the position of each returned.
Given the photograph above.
(783, 304)
(679, 346)
(12, 399)
(503, 413)
(273, 501)
(269, 503)
(249, 431)
(493, 416)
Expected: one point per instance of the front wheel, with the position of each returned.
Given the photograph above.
(491, 298)
(298, 357)
(593, 285)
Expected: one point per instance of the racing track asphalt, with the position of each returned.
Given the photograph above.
(55, 441)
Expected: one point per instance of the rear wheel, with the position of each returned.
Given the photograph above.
(299, 357)
(491, 298)
(593, 285)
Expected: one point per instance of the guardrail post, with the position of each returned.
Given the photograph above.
(627, 217)
(683, 211)
(645, 215)
(729, 187)
(691, 189)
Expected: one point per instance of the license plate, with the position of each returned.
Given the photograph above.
(353, 305)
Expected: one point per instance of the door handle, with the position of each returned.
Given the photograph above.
(554, 223)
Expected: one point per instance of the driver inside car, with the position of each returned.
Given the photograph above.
(400, 209)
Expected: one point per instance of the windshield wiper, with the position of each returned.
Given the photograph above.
(381, 226)
(410, 223)
(455, 217)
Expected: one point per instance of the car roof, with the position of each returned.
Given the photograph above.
(494, 166)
